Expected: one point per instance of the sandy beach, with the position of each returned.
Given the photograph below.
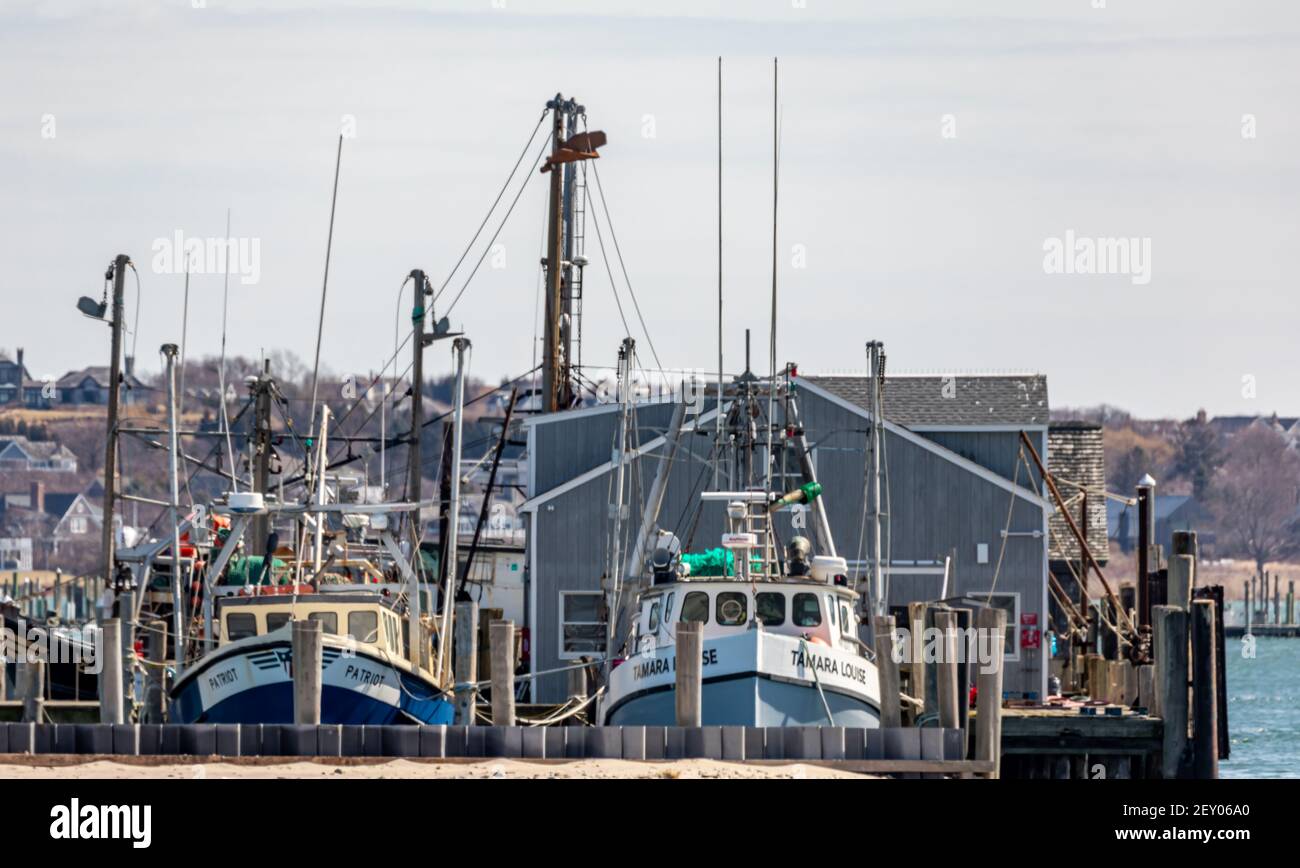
(151, 768)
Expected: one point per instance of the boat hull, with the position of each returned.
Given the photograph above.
(252, 683)
(749, 679)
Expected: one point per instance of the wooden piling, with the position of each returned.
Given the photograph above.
(946, 623)
(31, 679)
(466, 657)
(690, 650)
(306, 649)
(112, 705)
(1290, 601)
(502, 640)
(891, 707)
(1096, 674)
(126, 613)
(1205, 713)
(916, 623)
(1129, 675)
(155, 690)
(991, 624)
(1146, 692)
(1182, 576)
(1171, 684)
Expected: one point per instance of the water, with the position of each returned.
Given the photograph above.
(1263, 709)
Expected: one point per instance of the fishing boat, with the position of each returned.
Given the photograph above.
(779, 623)
(780, 645)
(367, 676)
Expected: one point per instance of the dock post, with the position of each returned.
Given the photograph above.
(501, 638)
(466, 658)
(916, 623)
(1182, 577)
(155, 690)
(111, 702)
(1171, 685)
(690, 648)
(32, 682)
(1130, 676)
(891, 708)
(4, 676)
(306, 648)
(946, 623)
(1146, 691)
(1205, 716)
(991, 623)
(1277, 598)
(126, 613)
(1290, 601)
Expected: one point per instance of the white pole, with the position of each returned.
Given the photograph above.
(322, 461)
(173, 450)
(459, 346)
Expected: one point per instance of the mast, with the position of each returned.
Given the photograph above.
(614, 553)
(875, 351)
(459, 346)
(262, 454)
(169, 351)
(414, 453)
(555, 374)
(114, 391)
(771, 387)
(717, 453)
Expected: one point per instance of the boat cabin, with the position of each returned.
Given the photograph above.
(366, 618)
(823, 613)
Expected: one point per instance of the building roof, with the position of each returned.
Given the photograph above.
(951, 401)
(99, 374)
(38, 450)
(1076, 457)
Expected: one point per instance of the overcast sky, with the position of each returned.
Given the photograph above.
(929, 151)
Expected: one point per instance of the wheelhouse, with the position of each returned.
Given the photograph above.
(363, 618)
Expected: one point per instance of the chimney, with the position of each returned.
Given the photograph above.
(38, 497)
(21, 371)
(130, 366)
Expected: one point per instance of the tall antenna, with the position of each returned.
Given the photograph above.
(717, 452)
(325, 282)
(771, 388)
(221, 371)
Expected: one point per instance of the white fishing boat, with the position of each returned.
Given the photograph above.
(780, 635)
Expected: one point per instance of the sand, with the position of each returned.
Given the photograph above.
(150, 768)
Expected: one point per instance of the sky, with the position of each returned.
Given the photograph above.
(933, 156)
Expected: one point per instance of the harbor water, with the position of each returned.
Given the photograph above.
(1263, 709)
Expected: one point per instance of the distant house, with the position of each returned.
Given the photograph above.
(19, 453)
(1173, 512)
(1287, 426)
(91, 385)
(13, 374)
(16, 553)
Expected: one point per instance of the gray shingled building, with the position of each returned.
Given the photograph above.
(957, 490)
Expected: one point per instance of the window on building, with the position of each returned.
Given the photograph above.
(240, 625)
(769, 607)
(695, 607)
(582, 629)
(77, 524)
(807, 612)
(1009, 603)
(363, 626)
(732, 608)
(329, 621)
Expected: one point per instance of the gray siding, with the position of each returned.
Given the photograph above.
(937, 508)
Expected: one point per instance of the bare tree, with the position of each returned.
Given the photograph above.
(1255, 495)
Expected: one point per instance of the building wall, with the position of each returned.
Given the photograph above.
(937, 508)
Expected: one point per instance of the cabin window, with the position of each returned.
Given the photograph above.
(653, 623)
(363, 626)
(329, 621)
(769, 606)
(582, 629)
(732, 608)
(668, 606)
(832, 610)
(807, 612)
(695, 607)
(846, 621)
(276, 620)
(240, 625)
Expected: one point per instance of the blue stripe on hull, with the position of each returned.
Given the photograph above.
(750, 701)
(273, 703)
